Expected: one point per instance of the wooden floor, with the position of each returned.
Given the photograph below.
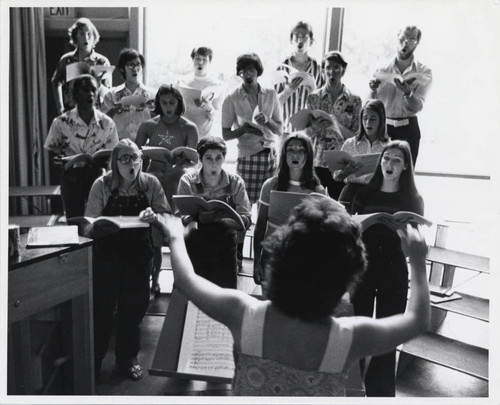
(419, 379)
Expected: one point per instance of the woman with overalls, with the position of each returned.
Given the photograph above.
(122, 260)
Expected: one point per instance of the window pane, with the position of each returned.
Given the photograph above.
(459, 120)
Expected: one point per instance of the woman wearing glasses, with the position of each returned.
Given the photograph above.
(122, 260)
(127, 113)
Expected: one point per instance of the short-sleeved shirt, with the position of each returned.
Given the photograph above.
(298, 99)
(355, 147)
(69, 135)
(396, 104)
(345, 108)
(131, 117)
(203, 120)
(236, 110)
(100, 193)
(231, 185)
(59, 76)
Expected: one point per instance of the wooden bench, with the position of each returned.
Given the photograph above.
(433, 346)
(27, 221)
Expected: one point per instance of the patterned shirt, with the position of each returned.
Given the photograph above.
(361, 147)
(396, 104)
(69, 135)
(59, 76)
(236, 110)
(345, 108)
(326, 139)
(131, 117)
(231, 187)
(298, 100)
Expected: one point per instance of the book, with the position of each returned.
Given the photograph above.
(195, 96)
(136, 100)
(282, 76)
(281, 204)
(400, 217)
(52, 236)
(194, 205)
(206, 346)
(105, 225)
(302, 119)
(410, 78)
(181, 154)
(76, 69)
(99, 158)
(337, 160)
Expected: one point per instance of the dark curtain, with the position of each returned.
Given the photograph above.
(28, 162)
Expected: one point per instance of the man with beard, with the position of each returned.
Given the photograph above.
(403, 99)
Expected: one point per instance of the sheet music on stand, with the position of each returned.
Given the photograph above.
(207, 346)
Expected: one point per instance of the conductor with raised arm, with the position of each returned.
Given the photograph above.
(404, 99)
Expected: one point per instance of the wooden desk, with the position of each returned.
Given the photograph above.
(55, 283)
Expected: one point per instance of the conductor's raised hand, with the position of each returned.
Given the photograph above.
(413, 243)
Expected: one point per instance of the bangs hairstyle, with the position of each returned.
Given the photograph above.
(378, 108)
(313, 259)
(113, 179)
(174, 91)
(202, 51)
(334, 56)
(80, 23)
(308, 178)
(247, 60)
(211, 142)
(127, 55)
(407, 178)
(304, 25)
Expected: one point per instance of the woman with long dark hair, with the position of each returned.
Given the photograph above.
(385, 282)
(295, 174)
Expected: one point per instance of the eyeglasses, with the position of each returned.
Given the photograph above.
(126, 159)
(409, 41)
(132, 66)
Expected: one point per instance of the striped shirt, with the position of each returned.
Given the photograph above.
(298, 100)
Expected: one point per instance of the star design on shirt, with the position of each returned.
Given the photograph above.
(166, 139)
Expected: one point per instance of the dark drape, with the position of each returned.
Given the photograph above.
(28, 163)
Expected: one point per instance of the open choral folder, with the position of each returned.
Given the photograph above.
(193, 345)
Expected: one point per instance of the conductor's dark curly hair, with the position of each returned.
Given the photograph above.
(313, 259)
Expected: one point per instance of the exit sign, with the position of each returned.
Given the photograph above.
(60, 12)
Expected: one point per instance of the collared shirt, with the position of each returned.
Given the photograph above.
(362, 147)
(346, 107)
(236, 110)
(204, 120)
(131, 117)
(396, 104)
(100, 193)
(70, 135)
(231, 185)
(298, 99)
(59, 76)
